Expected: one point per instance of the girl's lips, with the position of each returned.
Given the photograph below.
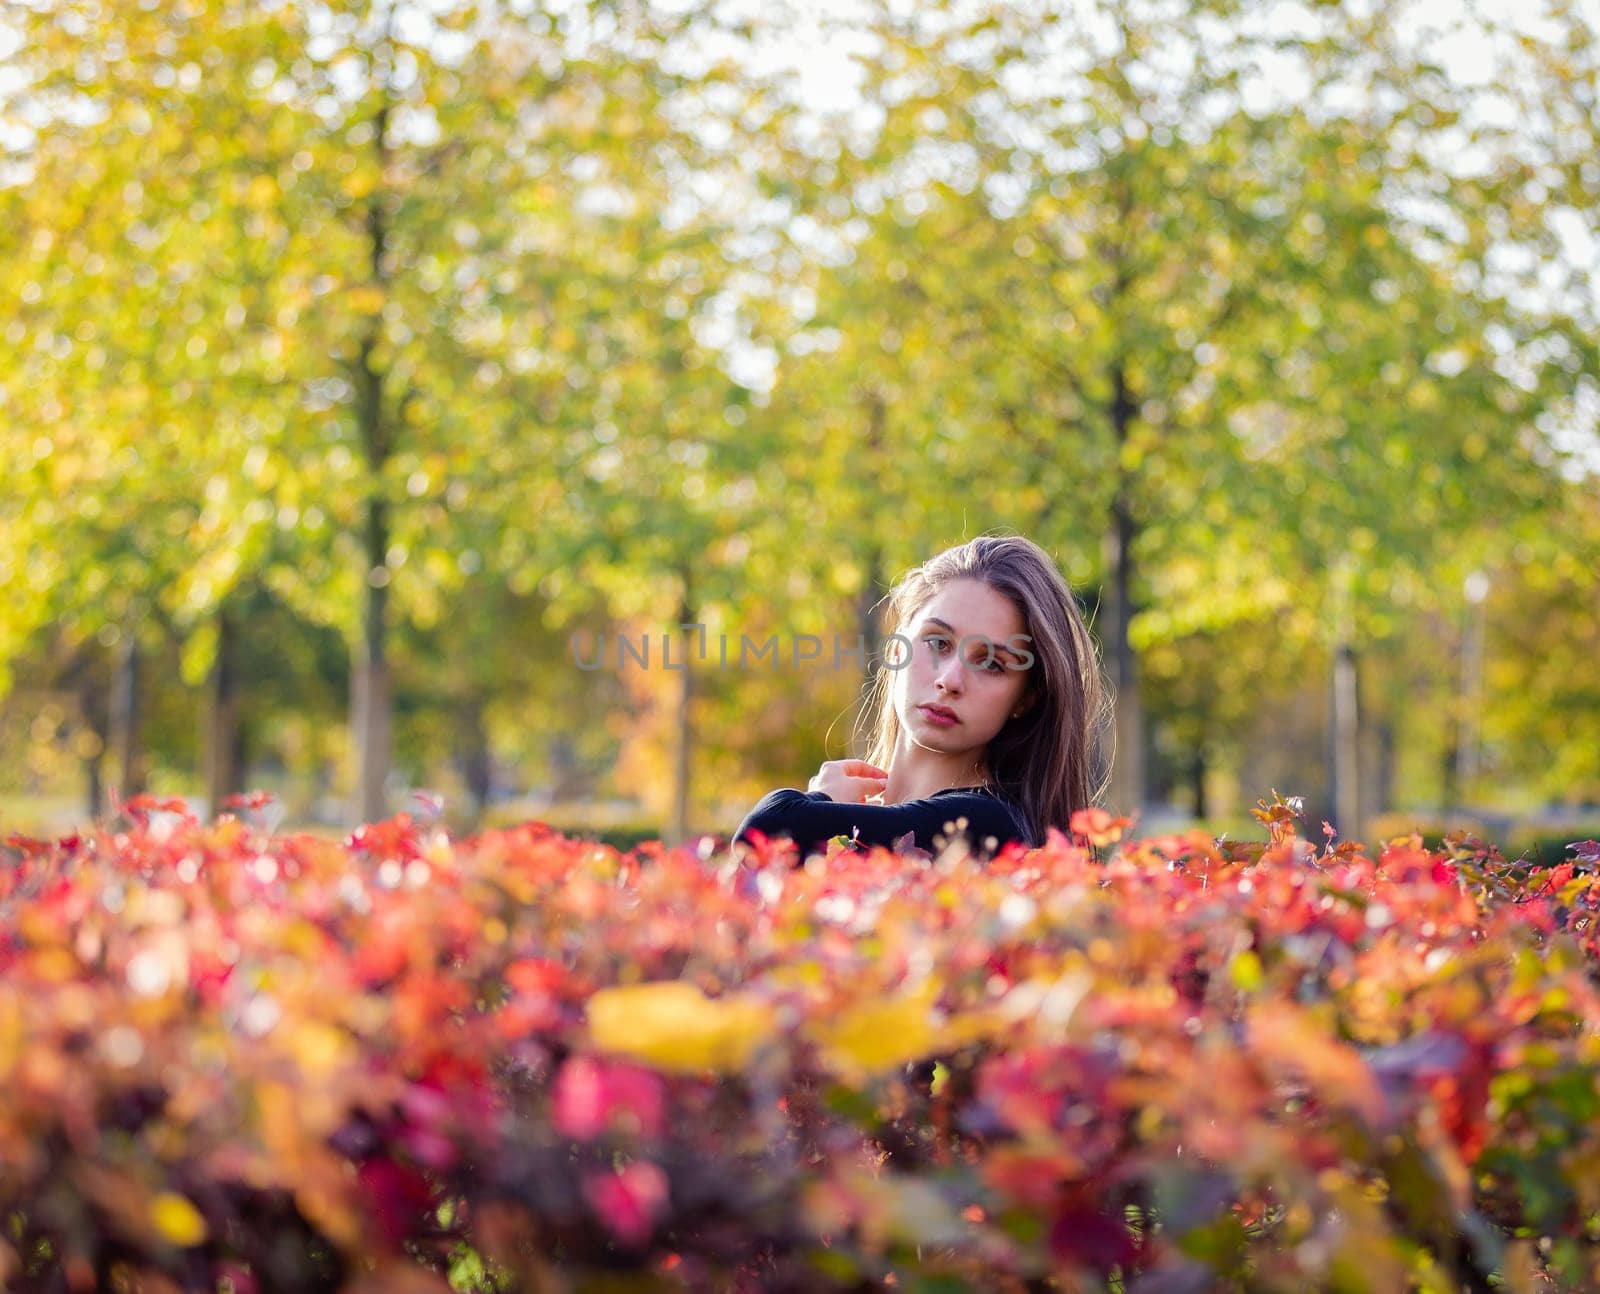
(943, 718)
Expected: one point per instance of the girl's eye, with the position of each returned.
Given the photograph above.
(988, 663)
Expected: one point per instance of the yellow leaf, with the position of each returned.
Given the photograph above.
(53, 966)
(1520, 1268)
(879, 1035)
(320, 1048)
(360, 182)
(673, 1026)
(1245, 970)
(325, 1205)
(366, 300)
(1291, 1040)
(280, 1129)
(176, 1220)
(10, 1031)
(304, 939)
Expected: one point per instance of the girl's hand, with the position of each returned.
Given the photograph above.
(850, 781)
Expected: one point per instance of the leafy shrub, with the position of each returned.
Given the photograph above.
(619, 832)
(1534, 840)
(231, 1060)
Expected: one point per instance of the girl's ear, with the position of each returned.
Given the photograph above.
(1023, 706)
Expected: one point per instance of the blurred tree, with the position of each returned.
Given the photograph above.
(1143, 264)
(1071, 239)
(414, 235)
(487, 324)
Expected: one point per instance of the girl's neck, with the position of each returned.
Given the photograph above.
(916, 773)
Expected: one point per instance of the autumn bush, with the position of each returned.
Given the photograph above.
(238, 1061)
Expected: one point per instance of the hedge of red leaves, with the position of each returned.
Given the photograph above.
(236, 1061)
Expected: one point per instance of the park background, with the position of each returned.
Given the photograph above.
(358, 356)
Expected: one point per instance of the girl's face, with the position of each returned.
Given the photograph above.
(968, 669)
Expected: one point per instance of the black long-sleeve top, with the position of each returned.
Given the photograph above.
(812, 819)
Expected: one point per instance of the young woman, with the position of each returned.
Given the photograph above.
(988, 714)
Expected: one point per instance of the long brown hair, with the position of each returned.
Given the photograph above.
(1054, 758)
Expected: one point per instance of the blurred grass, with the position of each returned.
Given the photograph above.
(40, 815)
(616, 824)
(622, 826)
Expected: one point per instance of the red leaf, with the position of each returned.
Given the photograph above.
(1098, 827)
(592, 1096)
(629, 1201)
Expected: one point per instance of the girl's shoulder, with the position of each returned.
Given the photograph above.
(990, 797)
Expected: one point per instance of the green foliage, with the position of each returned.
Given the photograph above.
(445, 330)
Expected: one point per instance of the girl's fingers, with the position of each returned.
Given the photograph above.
(866, 787)
(850, 780)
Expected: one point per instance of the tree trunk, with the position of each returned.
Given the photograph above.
(1468, 740)
(869, 632)
(1345, 733)
(372, 702)
(222, 720)
(94, 790)
(565, 776)
(869, 623)
(1117, 607)
(473, 754)
(1384, 774)
(1197, 781)
(681, 780)
(869, 627)
(92, 705)
(126, 718)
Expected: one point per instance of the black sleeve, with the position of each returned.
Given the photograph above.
(812, 819)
